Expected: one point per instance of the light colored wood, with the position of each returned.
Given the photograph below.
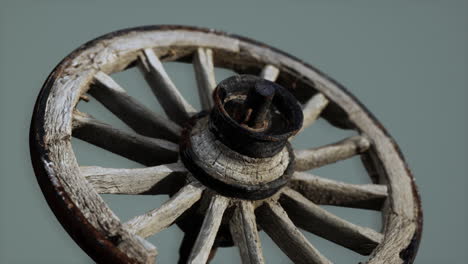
(404, 205)
(229, 166)
(329, 192)
(66, 87)
(131, 181)
(158, 219)
(129, 110)
(276, 223)
(112, 54)
(399, 230)
(205, 239)
(244, 232)
(145, 150)
(63, 171)
(205, 76)
(269, 72)
(172, 101)
(312, 109)
(311, 217)
(96, 211)
(316, 157)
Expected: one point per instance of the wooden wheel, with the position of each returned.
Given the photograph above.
(254, 200)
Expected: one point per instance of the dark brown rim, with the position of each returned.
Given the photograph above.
(102, 249)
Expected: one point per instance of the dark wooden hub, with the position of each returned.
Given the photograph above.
(279, 109)
(245, 135)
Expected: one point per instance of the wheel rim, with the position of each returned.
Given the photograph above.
(98, 231)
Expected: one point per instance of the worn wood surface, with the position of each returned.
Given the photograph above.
(116, 52)
(269, 72)
(156, 220)
(276, 223)
(131, 181)
(131, 111)
(244, 232)
(145, 150)
(205, 239)
(329, 192)
(316, 157)
(204, 74)
(172, 101)
(311, 217)
(230, 166)
(312, 109)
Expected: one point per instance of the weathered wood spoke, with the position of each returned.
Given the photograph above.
(171, 100)
(269, 72)
(158, 219)
(204, 73)
(312, 109)
(317, 220)
(132, 181)
(245, 234)
(316, 157)
(205, 239)
(276, 223)
(129, 110)
(145, 150)
(329, 192)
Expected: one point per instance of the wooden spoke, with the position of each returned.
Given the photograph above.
(131, 181)
(129, 110)
(319, 221)
(245, 234)
(276, 223)
(270, 73)
(158, 219)
(172, 101)
(204, 73)
(145, 150)
(316, 157)
(325, 191)
(205, 239)
(312, 109)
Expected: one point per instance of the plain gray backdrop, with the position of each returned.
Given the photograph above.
(407, 61)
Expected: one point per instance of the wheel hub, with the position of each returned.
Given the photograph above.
(241, 149)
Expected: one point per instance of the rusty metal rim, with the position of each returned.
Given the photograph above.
(101, 248)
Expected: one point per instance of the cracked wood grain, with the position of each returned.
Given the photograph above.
(131, 111)
(403, 214)
(205, 76)
(316, 157)
(171, 100)
(158, 219)
(276, 223)
(244, 232)
(205, 239)
(329, 192)
(132, 181)
(145, 150)
(311, 217)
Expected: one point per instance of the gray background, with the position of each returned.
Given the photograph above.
(407, 61)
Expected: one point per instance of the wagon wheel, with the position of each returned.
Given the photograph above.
(235, 171)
